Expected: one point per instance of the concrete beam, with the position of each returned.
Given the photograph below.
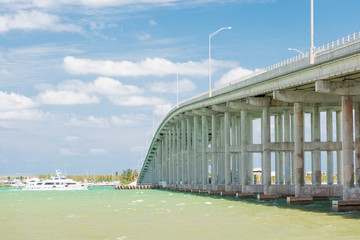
(276, 103)
(203, 112)
(302, 96)
(259, 101)
(220, 108)
(343, 88)
(238, 106)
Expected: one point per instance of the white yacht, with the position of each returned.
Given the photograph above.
(57, 182)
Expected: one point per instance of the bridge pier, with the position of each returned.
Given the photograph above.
(217, 154)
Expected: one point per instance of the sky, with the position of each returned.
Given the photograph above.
(83, 84)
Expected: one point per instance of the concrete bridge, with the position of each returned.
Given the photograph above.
(207, 142)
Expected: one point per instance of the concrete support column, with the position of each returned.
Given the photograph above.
(266, 154)
(357, 144)
(347, 145)
(160, 163)
(244, 156)
(178, 152)
(287, 140)
(214, 162)
(221, 156)
(189, 159)
(170, 157)
(166, 156)
(339, 163)
(299, 148)
(196, 150)
(162, 175)
(183, 149)
(292, 154)
(227, 148)
(154, 165)
(276, 133)
(329, 136)
(234, 178)
(250, 162)
(316, 154)
(238, 143)
(279, 131)
(204, 146)
(173, 156)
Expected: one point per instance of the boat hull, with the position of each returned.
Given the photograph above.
(55, 188)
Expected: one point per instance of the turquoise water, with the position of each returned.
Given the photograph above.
(104, 213)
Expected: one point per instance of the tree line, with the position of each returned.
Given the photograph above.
(127, 176)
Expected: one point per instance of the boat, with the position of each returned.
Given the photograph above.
(57, 182)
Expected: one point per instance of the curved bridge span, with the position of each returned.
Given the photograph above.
(207, 142)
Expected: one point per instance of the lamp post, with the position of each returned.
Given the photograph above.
(312, 48)
(210, 36)
(294, 49)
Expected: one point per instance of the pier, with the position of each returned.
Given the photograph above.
(207, 143)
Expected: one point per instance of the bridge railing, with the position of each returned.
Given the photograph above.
(328, 46)
(336, 43)
(339, 42)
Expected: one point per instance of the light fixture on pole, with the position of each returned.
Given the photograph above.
(312, 48)
(294, 49)
(210, 36)
(177, 90)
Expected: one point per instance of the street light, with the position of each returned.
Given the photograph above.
(294, 49)
(312, 48)
(210, 36)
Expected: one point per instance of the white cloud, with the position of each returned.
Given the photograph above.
(108, 86)
(4, 72)
(162, 109)
(124, 4)
(147, 67)
(31, 20)
(135, 101)
(184, 85)
(138, 148)
(233, 75)
(23, 114)
(19, 107)
(143, 36)
(64, 97)
(13, 101)
(72, 138)
(128, 119)
(47, 4)
(90, 121)
(78, 92)
(97, 151)
(104, 122)
(66, 151)
(152, 22)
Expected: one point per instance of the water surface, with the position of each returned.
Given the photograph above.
(104, 213)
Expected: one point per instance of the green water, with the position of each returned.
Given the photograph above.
(104, 213)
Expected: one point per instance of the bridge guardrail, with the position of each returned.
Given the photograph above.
(325, 47)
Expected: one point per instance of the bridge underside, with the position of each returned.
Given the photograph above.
(281, 120)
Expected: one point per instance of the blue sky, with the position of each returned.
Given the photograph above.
(82, 81)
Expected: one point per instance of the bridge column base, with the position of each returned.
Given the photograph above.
(245, 195)
(213, 192)
(228, 194)
(345, 205)
(262, 197)
(299, 200)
